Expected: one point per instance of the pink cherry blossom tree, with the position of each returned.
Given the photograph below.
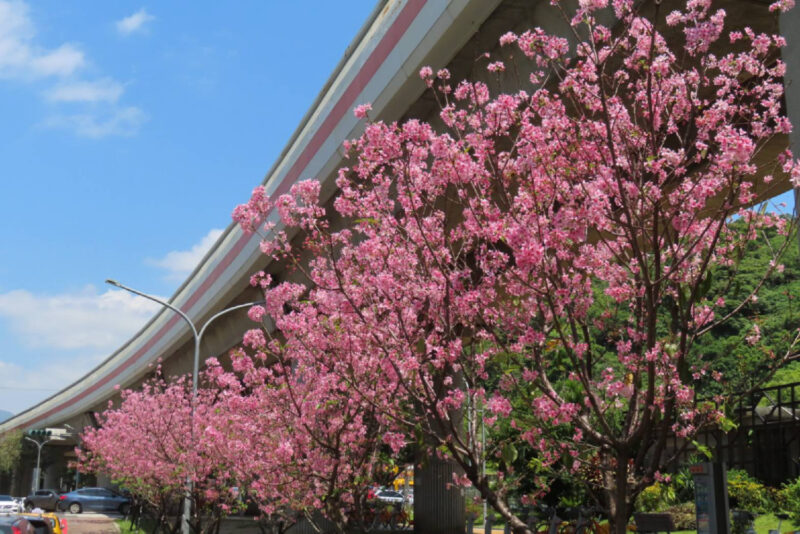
(148, 446)
(273, 435)
(547, 257)
(303, 447)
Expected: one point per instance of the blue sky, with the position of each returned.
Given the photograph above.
(129, 132)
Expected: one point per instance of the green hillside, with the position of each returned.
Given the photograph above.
(776, 312)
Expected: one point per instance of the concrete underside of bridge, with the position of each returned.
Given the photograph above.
(379, 67)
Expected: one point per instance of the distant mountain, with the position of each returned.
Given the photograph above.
(5, 415)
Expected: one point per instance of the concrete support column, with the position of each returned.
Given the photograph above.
(437, 509)
(790, 28)
(56, 469)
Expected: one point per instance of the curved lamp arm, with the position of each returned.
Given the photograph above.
(155, 299)
(197, 335)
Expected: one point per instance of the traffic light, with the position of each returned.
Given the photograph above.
(40, 433)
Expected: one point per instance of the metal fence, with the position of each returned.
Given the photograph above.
(766, 442)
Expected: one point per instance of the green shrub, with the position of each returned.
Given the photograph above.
(656, 498)
(789, 499)
(683, 482)
(473, 509)
(683, 515)
(747, 493)
(776, 501)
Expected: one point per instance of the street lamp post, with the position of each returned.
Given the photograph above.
(198, 336)
(39, 445)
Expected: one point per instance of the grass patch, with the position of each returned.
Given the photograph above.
(767, 522)
(764, 523)
(124, 526)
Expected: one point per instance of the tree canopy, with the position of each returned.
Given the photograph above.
(10, 450)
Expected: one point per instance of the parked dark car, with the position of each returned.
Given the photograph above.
(45, 499)
(12, 524)
(94, 499)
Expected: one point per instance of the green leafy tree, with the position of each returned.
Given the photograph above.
(10, 451)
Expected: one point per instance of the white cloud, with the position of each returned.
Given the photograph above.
(180, 263)
(105, 90)
(134, 23)
(73, 333)
(80, 320)
(21, 57)
(98, 124)
(62, 61)
(22, 387)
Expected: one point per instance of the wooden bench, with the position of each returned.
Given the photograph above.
(654, 523)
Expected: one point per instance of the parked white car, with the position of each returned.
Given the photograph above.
(9, 505)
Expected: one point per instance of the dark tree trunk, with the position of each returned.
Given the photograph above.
(618, 494)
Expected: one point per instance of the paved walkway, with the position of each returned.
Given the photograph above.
(91, 523)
